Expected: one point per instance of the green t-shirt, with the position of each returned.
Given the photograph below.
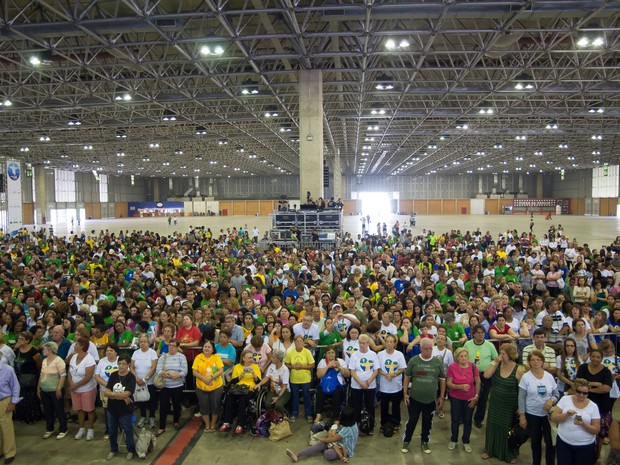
(454, 333)
(482, 355)
(125, 338)
(425, 376)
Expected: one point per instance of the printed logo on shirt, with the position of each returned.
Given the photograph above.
(367, 365)
(542, 390)
(109, 369)
(350, 349)
(390, 366)
(256, 356)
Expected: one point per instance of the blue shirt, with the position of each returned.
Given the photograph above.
(226, 353)
(9, 386)
(349, 436)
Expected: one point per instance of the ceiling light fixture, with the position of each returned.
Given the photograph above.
(498, 146)
(122, 95)
(597, 137)
(222, 142)
(594, 36)
(249, 87)
(524, 82)
(563, 145)
(42, 58)
(522, 137)
(201, 131)
(88, 147)
(212, 50)
(121, 134)
(24, 149)
(552, 125)
(396, 44)
(154, 145)
(462, 125)
(169, 115)
(74, 120)
(271, 112)
(44, 138)
(384, 82)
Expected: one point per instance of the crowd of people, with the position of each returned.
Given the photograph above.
(501, 327)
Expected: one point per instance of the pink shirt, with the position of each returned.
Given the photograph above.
(461, 375)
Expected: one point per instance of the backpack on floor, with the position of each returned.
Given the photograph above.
(145, 443)
(364, 425)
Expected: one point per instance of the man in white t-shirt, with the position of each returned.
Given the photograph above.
(308, 330)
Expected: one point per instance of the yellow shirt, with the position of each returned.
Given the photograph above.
(205, 366)
(246, 377)
(299, 376)
(100, 341)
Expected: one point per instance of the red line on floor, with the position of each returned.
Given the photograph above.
(177, 446)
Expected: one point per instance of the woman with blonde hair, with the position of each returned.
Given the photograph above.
(463, 380)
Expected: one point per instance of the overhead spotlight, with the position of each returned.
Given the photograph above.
(596, 152)
(498, 146)
(146, 158)
(5, 102)
(552, 125)
(222, 142)
(24, 149)
(44, 138)
(286, 128)
(373, 126)
(521, 137)
(377, 110)
(538, 153)
(563, 145)
(271, 112)
(593, 37)
(178, 152)
(122, 95)
(597, 137)
(369, 139)
(397, 44)
(42, 58)
(524, 82)
(249, 87)
(295, 139)
(486, 109)
(120, 154)
(481, 153)
(432, 146)
(121, 134)
(154, 145)
(214, 162)
(462, 125)
(252, 156)
(384, 82)
(74, 120)
(169, 115)
(64, 155)
(166, 163)
(240, 149)
(201, 130)
(599, 110)
(212, 50)
(197, 158)
(88, 147)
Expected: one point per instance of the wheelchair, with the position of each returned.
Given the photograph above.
(252, 411)
(328, 400)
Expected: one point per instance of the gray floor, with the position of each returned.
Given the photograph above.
(595, 231)
(225, 449)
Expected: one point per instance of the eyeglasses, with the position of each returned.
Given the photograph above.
(582, 393)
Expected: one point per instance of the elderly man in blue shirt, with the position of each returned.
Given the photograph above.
(9, 397)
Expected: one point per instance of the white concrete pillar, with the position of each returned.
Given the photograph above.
(40, 213)
(337, 173)
(311, 133)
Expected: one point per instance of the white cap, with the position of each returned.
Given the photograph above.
(286, 267)
(304, 268)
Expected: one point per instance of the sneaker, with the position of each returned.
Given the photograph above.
(451, 445)
(292, 455)
(152, 422)
(129, 456)
(61, 435)
(48, 434)
(141, 422)
(80, 433)
(197, 415)
(405, 447)
(111, 455)
(292, 419)
(425, 448)
(467, 448)
(90, 434)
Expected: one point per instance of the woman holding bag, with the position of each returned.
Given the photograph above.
(143, 366)
(338, 366)
(172, 367)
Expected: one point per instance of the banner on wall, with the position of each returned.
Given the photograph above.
(14, 195)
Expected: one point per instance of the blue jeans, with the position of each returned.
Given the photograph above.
(305, 391)
(460, 412)
(125, 423)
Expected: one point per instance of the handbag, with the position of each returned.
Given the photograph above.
(561, 283)
(158, 380)
(517, 436)
(141, 394)
(239, 389)
(281, 430)
(315, 438)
